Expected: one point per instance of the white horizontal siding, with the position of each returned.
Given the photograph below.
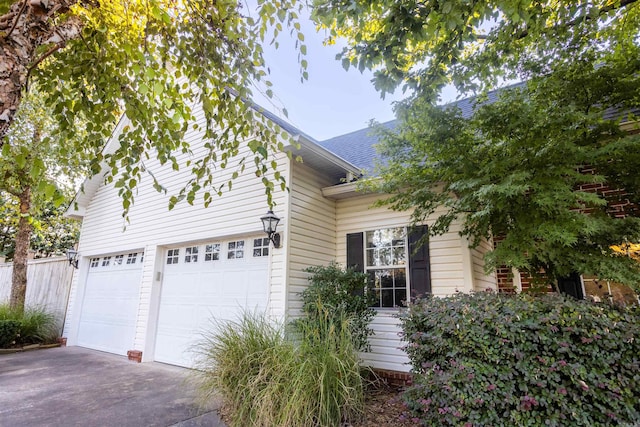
(386, 345)
(235, 212)
(312, 231)
(482, 281)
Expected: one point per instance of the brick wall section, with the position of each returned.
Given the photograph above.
(618, 206)
(504, 277)
(134, 356)
(393, 378)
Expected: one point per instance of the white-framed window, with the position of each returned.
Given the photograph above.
(235, 250)
(212, 252)
(261, 247)
(386, 265)
(106, 261)
(95, 262)
(191, 254)
(173, 255)
(131, 258)
(118, 260)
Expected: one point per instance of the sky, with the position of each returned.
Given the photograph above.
(332, 101)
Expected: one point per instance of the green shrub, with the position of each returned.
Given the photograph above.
(36, 325)
(267, 378)
(9, 333)
(339, 293)
(489, 359)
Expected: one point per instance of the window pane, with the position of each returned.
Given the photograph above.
(257, 252)
(385, 257)
(387, 298)
(401, 297)
(386, 279)
(371, 257)
(386, 248)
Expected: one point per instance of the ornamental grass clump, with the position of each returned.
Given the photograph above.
(269, 376)
(33, 325)
(490, 359)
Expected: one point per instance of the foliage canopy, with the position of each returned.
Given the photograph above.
(152, 61)
(473, 44)
(515, 169)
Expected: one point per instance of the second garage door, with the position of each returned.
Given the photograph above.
(216, 280)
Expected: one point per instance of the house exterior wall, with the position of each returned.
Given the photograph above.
(153, 228)
(312, 231)
(481, 280)
(450, 261)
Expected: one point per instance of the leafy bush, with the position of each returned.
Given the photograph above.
(36, 325)
(339, 293)
(490, 359)
(269, 378)
(9, 333)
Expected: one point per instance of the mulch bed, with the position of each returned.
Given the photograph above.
(384, 408)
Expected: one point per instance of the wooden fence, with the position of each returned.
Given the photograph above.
(48, 284)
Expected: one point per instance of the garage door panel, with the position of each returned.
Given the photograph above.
(110, 305)
(196, 294)
(212, 284)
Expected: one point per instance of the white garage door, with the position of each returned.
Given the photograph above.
(209, 281)
(110, 303)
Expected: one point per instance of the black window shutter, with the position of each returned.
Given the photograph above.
(355, 255)
(355, 251)
(419, 269)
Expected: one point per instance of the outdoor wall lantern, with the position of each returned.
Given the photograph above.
(269, 223)
(72, 257)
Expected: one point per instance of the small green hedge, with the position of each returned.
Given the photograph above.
(489, 359)
(9, 333)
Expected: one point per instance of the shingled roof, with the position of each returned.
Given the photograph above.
(358, 147)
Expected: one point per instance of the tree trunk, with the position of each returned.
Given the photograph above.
(29, 25)
(23, 236)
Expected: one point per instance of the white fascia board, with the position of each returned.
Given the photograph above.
(308, 145)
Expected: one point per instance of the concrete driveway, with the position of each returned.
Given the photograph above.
(72, 386)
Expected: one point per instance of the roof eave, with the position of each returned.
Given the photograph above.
(329, 160)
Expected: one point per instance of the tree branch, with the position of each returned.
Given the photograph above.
(15, 21)
(44, 56)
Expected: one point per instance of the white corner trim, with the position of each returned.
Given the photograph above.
(517, 280)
